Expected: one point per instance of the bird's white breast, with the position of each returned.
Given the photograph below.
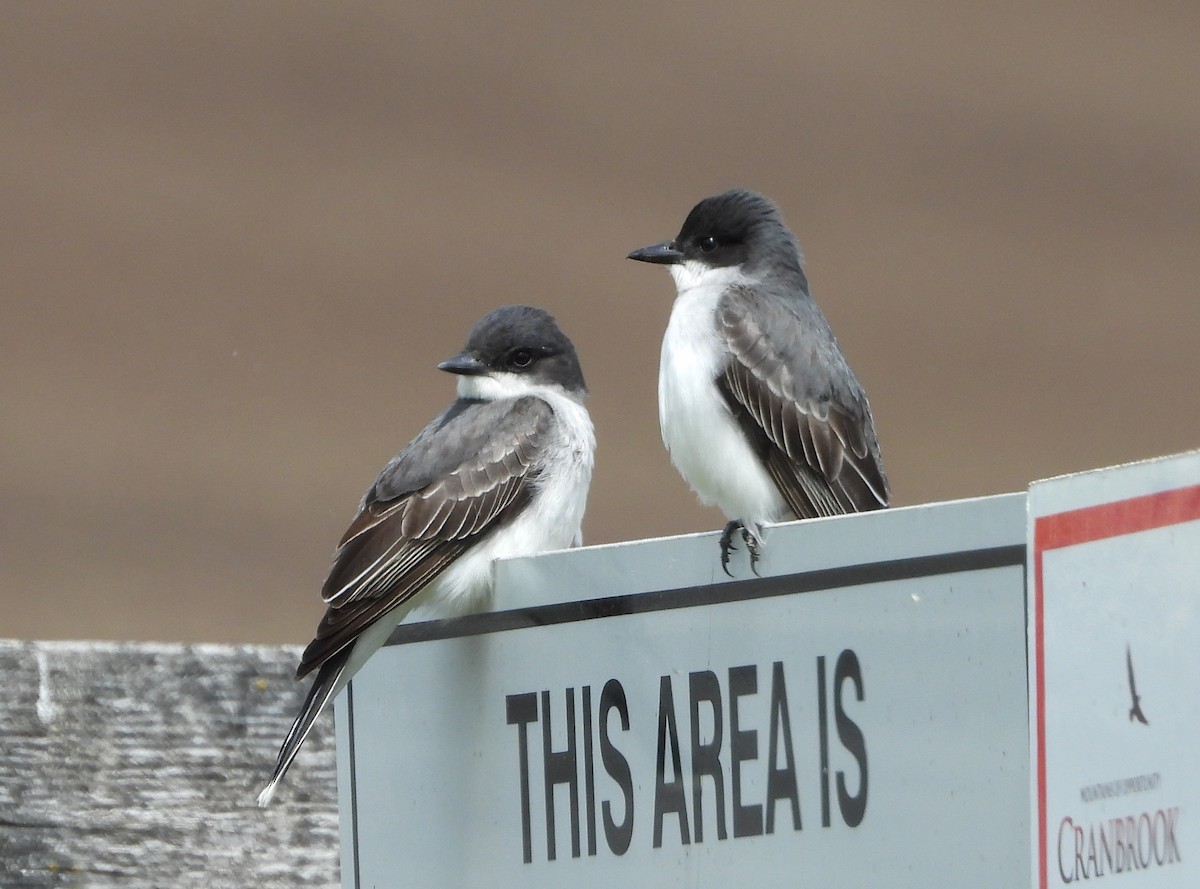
(700, 433)
(552, 520)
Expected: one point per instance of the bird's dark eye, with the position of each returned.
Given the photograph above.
(709, 244)
(521, 358)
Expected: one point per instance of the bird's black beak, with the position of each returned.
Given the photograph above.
(464, 363)
(665, 253)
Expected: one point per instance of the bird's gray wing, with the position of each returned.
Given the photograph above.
(799, 404)
(465, 475)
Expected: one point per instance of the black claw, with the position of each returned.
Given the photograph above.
(753, 547)
(727, 543)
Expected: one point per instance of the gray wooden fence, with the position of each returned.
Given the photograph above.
(136, 765)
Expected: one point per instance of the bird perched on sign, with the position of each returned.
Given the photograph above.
(758, 408)
(503, 471)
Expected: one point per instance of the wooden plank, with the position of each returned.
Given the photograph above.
(136, 765)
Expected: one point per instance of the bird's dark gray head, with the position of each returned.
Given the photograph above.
(514, 349)
(734, 229)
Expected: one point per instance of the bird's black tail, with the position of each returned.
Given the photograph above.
(319, 696)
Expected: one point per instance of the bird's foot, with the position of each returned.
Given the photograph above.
(727, 543)
(754, 547)
(749, 537)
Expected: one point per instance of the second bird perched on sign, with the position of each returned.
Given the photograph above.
(503, 471)
(758, 408)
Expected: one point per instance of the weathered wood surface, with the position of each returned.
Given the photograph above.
(137, 765)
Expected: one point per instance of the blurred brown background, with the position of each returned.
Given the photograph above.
(237, 239)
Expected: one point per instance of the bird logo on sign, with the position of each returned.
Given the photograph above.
(1135, 712)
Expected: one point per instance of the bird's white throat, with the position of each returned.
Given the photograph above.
(691, 275)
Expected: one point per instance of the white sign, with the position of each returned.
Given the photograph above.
(1114, 661)
(856, 716)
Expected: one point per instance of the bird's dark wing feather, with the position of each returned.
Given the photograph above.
(458, 480)
(800, 405)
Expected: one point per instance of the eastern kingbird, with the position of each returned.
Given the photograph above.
(503, 471)
(759, 410)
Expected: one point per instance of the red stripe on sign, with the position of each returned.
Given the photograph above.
(1114, 519)
(1083, 526)
(1039, 651)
